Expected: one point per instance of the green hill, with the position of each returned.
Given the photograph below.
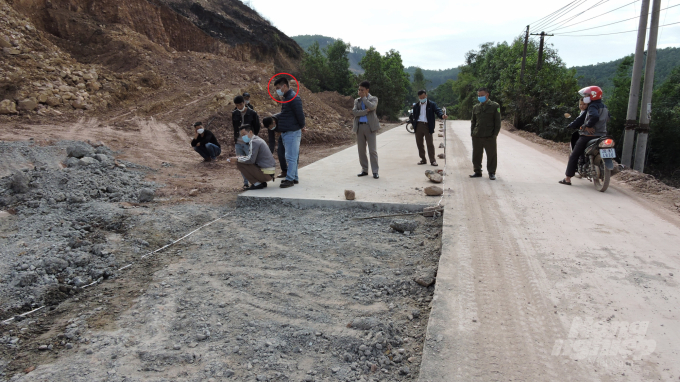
(601, 74)
(436, 77)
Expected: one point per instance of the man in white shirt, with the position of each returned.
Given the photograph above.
(425, 113)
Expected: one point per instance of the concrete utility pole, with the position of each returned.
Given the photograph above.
(648, 87)
(539, 65)
(634, 96)
(524, 56)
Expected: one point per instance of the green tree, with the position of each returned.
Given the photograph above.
(388, 81)
(445, 96)
(617, 102)
(419, 81)
(315, 70)
(664, 131)
(339, 76)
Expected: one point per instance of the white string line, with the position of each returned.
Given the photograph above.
(7, 321)
(446, 162)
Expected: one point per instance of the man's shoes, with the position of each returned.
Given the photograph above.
(296, 181)
(246, 186)
(376, 176)
(363, 173)
(258, 187)
(287, 183)
(422, 162)
(206, 160)
(476, 175)
(282, 175)
(435, 164)
(492, 176)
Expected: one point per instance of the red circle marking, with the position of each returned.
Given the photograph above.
(270, 93)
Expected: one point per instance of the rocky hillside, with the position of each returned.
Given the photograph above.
(123, 60)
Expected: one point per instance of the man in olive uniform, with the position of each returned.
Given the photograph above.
(486, 125)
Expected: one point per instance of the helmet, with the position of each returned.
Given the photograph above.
(590, 93)
(248, 94)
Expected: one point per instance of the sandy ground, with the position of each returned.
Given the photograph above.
(540, 281)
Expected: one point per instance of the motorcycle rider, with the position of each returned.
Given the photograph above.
(591, 124)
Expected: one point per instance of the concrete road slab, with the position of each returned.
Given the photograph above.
(400, 186)
(539, 281)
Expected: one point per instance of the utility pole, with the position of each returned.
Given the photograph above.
(539, 65)
(634, 95)
(648, 87)
(524, 56)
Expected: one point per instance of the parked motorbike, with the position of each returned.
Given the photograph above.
(597, 162)
(410, 125)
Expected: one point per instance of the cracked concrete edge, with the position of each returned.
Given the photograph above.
(320, 203)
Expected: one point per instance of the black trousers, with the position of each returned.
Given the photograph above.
(281, 152)
(577, 152)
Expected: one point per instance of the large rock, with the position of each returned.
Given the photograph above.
(79, 150)
(434, 191)
(145, 195)
(434, 177)
(350, 195)
(402, 225)
(8, 107)
(19, 183)
(29, 104)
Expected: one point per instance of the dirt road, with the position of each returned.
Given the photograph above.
(541, 281)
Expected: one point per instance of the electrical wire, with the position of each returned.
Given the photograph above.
(665, 17)
(543, 18)
(560, 23)
(594, 17)
(559, 15)
(607, 34)
(617, 22)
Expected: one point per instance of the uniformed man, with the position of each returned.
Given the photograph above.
(486, 125)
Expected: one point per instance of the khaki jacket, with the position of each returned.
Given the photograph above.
(371, 102)
(486, 120)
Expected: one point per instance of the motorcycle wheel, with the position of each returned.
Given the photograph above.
(602, 175)
(410, 128)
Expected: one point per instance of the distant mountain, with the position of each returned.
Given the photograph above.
(436, 77)
(602, 74)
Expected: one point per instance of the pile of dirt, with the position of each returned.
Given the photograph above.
(560, 147)
(340, 103)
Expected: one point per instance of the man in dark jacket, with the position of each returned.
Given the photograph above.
(242, 116)
(424, 112)
(205, 143)
(271, 123)
(486, 125)
(246, 97)
(291, 124)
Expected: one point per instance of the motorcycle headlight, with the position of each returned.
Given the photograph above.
(607, 143)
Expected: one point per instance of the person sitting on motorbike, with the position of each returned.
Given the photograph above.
(591, 124)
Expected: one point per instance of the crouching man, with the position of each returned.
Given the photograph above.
(205, 143)
(258, 165)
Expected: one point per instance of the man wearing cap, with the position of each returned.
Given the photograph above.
(246, 97)
(205, 143)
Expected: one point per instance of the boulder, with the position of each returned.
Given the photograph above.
(403, 225)
(145, 195)
(8, 107)
(350, 195)
(434, 191)
(29, 104)
(79, 150)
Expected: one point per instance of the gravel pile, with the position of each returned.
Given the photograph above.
(58, 217)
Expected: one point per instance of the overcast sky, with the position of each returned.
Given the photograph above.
(435, 34)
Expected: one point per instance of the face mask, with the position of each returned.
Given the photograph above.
(273, 127)
(242, 110)
(246, 138)
(247, 102)
(482, 99)
(200, 131)
(586, 100)
(279, 92)
(423, 100)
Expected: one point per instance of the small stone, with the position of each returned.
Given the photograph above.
(441, 135)
(8, 107)
(42, 347)
(350, 195)
(193, 192)
(29, 104)
(425, 277)
(403, 225)
(145, 195)
(88, 351)
(86, 161)
(364, 323)
(19, 183)
(29, 369)
(177, 347)
(228, 373)
(435, 177)
(11, 51)
(69, 345)
(433, 191)
(404, 370)
(236, 349)
(441, 145)
(441, 156)
(79, 150)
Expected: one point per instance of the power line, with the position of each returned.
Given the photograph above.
(594, 17)
(542, 18)
(559, 24)
(558, 15)
(607, 34)
(617, 22)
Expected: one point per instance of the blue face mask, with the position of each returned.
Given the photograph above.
(246, 139)
(279, 92)
(482, 99)
(423, 100)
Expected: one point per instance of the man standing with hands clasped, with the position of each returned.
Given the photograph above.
(366, 126)
(486, 124)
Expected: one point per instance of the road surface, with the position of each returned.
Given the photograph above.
(544, 282)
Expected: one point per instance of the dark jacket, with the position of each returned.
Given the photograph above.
(430, 110)
(596, 117)
(486, 120)
(291, 117)
(251, 118)
(208, 137)
(272, 134)
(250, 106)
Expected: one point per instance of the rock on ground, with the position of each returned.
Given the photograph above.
(350, 195)
(145, 195)
(425, 277)
(434, 191)
(79, 150)
(403, 225)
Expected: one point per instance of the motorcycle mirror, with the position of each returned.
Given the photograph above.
(567, 115)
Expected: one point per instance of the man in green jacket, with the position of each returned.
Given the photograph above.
(486, 124)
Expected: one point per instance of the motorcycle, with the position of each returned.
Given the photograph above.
(410, 126)
(597, 162)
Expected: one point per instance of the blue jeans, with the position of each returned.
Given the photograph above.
(210, 151)
(242, 150)
(291, 142)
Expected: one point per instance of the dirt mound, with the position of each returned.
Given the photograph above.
(341, 104)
